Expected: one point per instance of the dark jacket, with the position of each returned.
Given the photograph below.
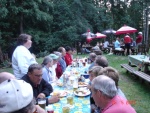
(43, 87)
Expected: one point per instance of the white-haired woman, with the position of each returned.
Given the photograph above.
(47, 74)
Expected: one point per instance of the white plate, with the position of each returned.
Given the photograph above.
(84, 92)
(83, 85)
(61, 93)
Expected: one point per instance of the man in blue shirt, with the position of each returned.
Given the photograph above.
(117, 45)
(62, 60)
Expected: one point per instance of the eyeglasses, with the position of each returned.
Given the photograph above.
(38, 75)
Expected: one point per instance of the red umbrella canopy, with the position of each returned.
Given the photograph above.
(99, 35)
(125, 29)
(88, 40)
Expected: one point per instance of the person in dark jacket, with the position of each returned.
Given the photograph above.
(41, 88)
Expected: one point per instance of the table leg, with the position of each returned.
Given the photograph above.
(146, 68)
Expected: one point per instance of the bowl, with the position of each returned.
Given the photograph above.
(86, 76)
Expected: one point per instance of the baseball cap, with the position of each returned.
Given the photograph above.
(53, 56)
(140, 33)
(14, 95)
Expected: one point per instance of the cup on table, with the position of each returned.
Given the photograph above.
(66, 109)
(86, 60)
(70, 99)
(42, 102)
(50, 109)
(84, 63)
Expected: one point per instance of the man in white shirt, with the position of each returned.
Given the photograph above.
(22, 58)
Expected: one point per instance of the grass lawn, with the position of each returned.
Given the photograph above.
(137, 93)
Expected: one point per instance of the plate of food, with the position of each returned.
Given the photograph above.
(59, 93)
(82, 92)
(82, 84)
(60, 84)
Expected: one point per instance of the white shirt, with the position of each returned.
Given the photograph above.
(106, 43)
(21, 60)
(53, 70)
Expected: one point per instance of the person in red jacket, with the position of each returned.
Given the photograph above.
(58, 68)
(139, 39)
(127, 42)
(68, 57)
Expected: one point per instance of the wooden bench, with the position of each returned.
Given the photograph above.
(142, 75)
(128, 68)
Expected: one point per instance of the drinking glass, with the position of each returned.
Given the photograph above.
(42, 102)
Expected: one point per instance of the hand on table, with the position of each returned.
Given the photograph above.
(53, 99)
(41, 95)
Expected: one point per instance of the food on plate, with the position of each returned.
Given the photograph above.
(82, 83)
(60, 84)
(81, 91)
(60, 93)
(56, 93)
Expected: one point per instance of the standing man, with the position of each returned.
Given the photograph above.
(22, 58)
(41, 88)
(62, 59)
(139, 39)
(127, 42)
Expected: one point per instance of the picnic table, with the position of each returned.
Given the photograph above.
(81, 103)
(141, 61)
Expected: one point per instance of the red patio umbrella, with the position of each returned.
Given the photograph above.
(125, 29)
(88, 40)
(99, 35)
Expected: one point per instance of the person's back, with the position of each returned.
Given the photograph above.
(117, 44)
(106, 43)
(118, 105)
(127, 39)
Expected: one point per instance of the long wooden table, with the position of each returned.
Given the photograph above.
(81, 104)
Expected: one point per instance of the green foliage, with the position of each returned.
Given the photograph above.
(54, 23)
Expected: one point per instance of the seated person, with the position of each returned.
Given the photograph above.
(105, 46)
(93, 72)
(101, 61)
(92, 57)
(62, 59)
(19, 95)
(104, 93)
(114, 74)
(47, 74)
(68, 57)
(84, 49)
(41, 88)
(58, 68)
(54, 66)
(117, 45)
(96, 47)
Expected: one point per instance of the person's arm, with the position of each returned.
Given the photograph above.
(47, 88)
(45, 75)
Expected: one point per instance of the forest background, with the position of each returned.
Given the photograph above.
(54, 23)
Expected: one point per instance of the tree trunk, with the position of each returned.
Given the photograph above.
(1, 56)
(21, 22)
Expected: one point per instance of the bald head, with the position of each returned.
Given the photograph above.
(5, 76)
